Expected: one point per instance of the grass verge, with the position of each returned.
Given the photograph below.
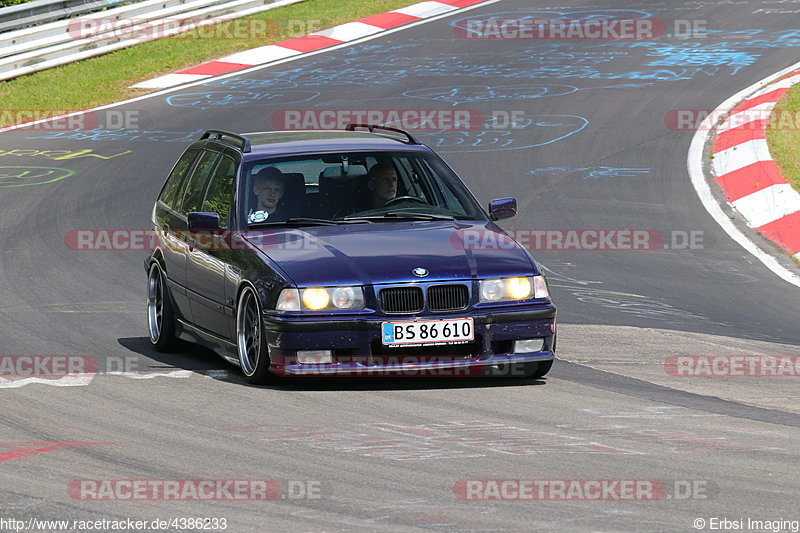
(783, 136)
(105, 79)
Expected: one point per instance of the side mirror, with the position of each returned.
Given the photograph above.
(502, 208)
(203, 221)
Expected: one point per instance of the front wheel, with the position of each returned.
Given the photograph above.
(160, 315)
(250, 343)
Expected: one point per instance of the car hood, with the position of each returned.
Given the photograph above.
(368, 254)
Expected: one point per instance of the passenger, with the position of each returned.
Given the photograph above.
(269, 184)
(382, 183)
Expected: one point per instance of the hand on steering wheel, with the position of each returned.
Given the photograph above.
(398, 199)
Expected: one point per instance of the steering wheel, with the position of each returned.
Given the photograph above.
(398, 199)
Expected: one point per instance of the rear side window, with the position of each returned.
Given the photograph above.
(196, 188)
(220, 192)
(170, 194)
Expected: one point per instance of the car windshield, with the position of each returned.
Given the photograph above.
(344, 188)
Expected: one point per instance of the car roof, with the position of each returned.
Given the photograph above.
(287, 143)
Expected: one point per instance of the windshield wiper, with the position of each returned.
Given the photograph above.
(402, 215)
(300, 221)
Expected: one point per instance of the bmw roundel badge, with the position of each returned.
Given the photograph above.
(420, 272)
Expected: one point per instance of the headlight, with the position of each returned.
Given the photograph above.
(345, 297)
(320, 298)
(316, 299)
(519, 288)
(492, 290)
(512, 289)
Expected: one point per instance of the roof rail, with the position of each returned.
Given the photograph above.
(217, 135)
(373, 127)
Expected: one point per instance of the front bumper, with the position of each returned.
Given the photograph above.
(357, 349)
(494, 366)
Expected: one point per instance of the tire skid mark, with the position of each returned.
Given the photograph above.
(24, 449)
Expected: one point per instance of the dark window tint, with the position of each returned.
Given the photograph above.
(220, 192)
(174, 183)
(196, 187)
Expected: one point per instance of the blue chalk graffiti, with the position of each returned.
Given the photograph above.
(696, 55)
(477, 93)
(128, 135)
(467, 94)
(234, 84)
(530, 70)
(593, 173)
(215, 99)
(516, 135)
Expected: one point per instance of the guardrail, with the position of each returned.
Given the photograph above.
(56, 43)
(41, 11)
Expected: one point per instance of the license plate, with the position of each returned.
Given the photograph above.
(427, 331)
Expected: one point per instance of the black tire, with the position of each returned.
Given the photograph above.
(160, 315)
(251, 346)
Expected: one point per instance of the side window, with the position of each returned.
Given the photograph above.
(220, 192)
(193, 197)
(169, 194)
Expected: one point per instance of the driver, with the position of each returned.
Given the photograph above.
(268, 187)
(382, 183)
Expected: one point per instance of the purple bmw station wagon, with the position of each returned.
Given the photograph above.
(356, 252)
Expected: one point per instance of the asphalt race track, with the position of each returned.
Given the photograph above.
(589, 149)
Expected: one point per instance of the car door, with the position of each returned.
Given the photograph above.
(208, 255)
(169, 227)
(192, 198)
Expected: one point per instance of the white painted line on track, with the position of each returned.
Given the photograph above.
(66, 381)
(84, 380)
(179, 374)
